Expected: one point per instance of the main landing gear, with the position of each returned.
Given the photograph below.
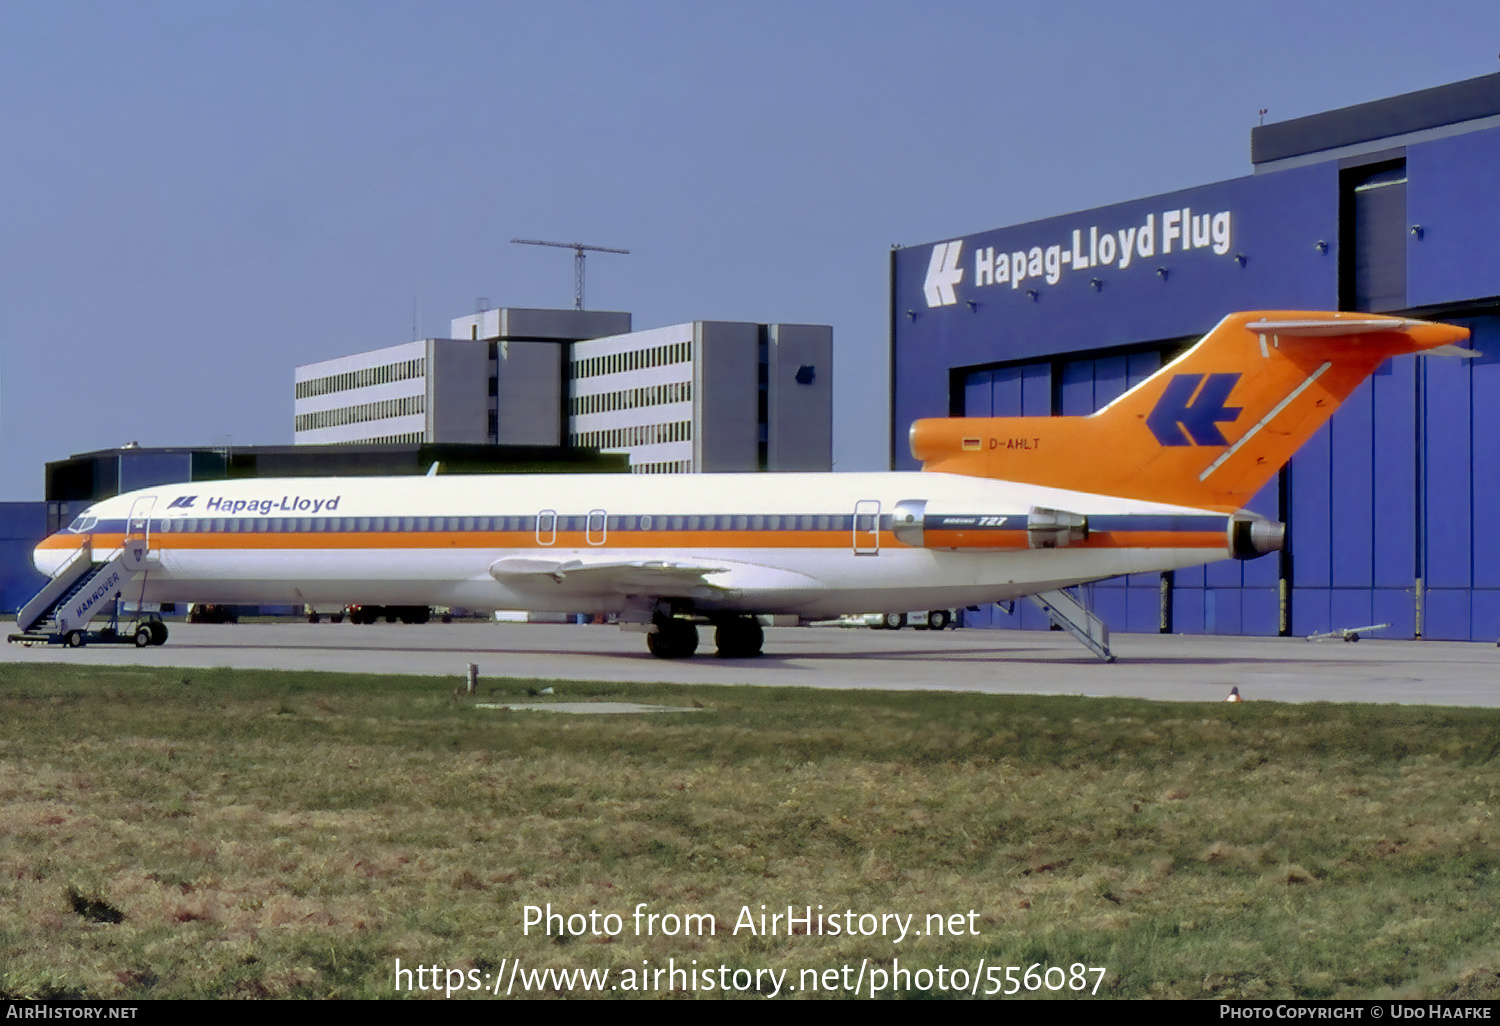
(737, 637)
(673, 638)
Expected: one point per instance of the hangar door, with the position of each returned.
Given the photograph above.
(1372, 269)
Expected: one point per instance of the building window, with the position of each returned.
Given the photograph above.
(402, 370)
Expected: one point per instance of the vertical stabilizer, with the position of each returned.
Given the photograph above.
(1207, 430)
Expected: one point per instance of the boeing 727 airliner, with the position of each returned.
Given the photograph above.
(1004, 508)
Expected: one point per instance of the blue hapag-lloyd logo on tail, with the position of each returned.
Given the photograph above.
(1186, 410)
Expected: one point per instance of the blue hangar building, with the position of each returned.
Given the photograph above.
(1390, 207)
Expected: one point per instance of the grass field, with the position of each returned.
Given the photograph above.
(215, 833)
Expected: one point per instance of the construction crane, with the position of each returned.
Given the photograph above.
(577, 248)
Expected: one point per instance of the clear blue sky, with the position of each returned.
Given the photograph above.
(198, 196)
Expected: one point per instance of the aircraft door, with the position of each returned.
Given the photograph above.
(137, 546)
(867, 527)
(546, 527)
(597, 527)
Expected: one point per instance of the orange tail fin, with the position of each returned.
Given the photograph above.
(1207, 430)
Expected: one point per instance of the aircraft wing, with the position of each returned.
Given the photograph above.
(581, 577)
(607, 577)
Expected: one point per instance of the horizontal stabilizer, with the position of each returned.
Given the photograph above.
(1335, 327)
(1331, 326)
(1467, 354)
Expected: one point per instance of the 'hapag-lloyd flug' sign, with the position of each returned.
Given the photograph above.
(1176, 231)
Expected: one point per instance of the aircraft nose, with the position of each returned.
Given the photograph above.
(55, 550)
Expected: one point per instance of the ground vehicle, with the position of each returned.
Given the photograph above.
(929, 620)
(390, 614)
(142, 632)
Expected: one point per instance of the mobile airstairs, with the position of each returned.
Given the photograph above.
(83, 590)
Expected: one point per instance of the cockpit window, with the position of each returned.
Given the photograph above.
(84, 523)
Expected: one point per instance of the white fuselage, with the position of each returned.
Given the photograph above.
(809, 544)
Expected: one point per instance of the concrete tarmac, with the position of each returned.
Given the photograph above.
(1163, 667)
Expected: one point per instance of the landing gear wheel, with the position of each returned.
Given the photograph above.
(895, 621)
(740, 638)
(673, 639)
(143, 636)
(75, 639)
(938, 619)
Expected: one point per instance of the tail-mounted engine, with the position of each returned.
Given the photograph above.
(1055, 528)
(1242, 535)
(1039, 529)
(1251, 535)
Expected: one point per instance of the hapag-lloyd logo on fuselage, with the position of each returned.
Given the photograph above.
(285, 504)
(1093, 248)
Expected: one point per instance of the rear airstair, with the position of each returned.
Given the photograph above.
(1074, 617)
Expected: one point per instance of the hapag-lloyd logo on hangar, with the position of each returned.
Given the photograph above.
(1175, 231)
